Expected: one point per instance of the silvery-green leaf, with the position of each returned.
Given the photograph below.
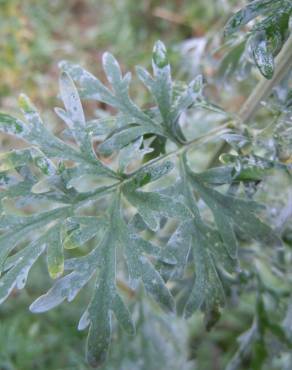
(179, 246)
(207, 288)
(153, 205)
(133, 152)
(55, 255)
(148, 174)
(21, 188)
(245, 343)
(194, 237)
(246, 14)
(71, 100)
(123, 315)
(159, 56)
(145, 77)
(22, 157)
(73, 174)
(162, 89)
(86, 230)
(26, 225)
(230, 211)
(99, 316)
(187, 98)
(102, 126)
(161, 84)
(125, 136)
(74, 115)
(139, 267)
(147, 247)
(263, 56)
(13, 126)
(16, 276)
(54, 147)
(40, 136)
(14, 158)
(137, 223)
(92, 88)
(121, 88)
(217, 248)
(161, 254)
(68, 286)
(218, 175)
(113, 71)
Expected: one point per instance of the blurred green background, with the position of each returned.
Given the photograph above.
(34, 36)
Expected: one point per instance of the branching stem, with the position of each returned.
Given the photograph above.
(283, 64)
(249, 108)
(181, 149)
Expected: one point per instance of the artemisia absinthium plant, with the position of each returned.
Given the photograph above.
(131, 200)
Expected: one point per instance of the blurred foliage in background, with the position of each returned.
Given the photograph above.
(34, 37)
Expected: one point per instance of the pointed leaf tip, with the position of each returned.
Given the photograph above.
(62, 64)
(160, 54)
(74, 115)
(109, 61)
(263, 58)
(25, 104)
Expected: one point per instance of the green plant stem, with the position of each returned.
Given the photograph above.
(185, 147)
(181, 149)
(283, 64)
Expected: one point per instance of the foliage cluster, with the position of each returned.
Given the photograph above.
(116, 202)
